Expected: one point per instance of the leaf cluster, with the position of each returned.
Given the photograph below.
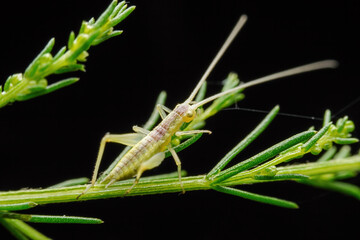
(33, 82)
(263, 166)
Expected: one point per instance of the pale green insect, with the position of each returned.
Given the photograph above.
(148, 147)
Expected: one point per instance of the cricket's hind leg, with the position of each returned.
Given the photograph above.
(129, 139)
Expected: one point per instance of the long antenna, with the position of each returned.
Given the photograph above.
(274, 76)
(218, 56)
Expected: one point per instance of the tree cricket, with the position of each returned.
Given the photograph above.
(148, 147)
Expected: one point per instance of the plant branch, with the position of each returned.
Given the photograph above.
(33, 83)
(170, 185)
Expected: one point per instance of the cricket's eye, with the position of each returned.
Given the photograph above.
(189, 116)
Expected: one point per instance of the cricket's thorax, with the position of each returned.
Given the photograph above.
(156, 141)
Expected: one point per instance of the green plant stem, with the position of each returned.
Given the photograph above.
(170, 185)
(22, 229)
(7, 223)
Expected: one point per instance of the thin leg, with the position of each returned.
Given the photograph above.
(182, 133)
(126, 139)
(153, 162)
(162, 110)
(178, 164)
(166, 109)
(141, 130)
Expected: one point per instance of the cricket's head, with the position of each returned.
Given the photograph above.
(186, 111)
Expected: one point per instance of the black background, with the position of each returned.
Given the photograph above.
(167, 45)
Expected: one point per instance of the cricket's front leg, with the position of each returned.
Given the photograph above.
(191, 132)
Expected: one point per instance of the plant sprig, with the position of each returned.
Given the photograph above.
(257, 169)
(263, 167)
(170, 183)
(33, 82)
(328, 172)
(292, 148)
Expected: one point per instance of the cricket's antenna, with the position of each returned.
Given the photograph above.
(351, 104)
(293, 71)
(218, 56)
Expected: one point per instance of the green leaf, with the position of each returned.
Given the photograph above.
(327, 117)
(281, 177)
(184, 144)
(17, 206)
(201, 94)
(106, 14)
(53, 87)
(50, 218)
(311, 142)
(71, 68)
(122, 16)
(345, 151)
(256, 197)
(329, 154)
(154, 117)
(118, 8)
(71, 39)
(31, 69)
(59, 54)
(340, 140)
(106, 37)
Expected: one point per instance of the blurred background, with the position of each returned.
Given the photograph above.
(167, 45)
